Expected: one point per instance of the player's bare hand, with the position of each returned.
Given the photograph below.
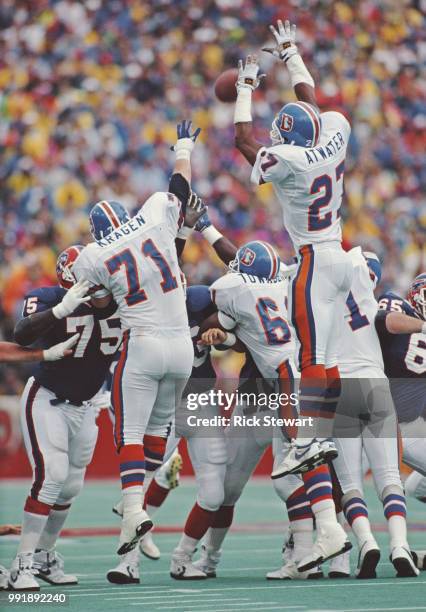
(61, 350)
(213, 336)
(285, 38)
(10, 530)
(74, 297)
(185, 139)
(195, 208)
(248, 73)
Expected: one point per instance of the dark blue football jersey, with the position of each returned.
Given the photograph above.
(404, 357)
(200, 306)
(76, 378)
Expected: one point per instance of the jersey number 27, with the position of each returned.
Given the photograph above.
(322, 185)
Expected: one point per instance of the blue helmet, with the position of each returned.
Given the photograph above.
(373, 262)
(258, 259)
(105, 217)
(297, 123)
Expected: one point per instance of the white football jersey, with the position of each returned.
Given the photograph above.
(137, 263)
(360, 346)
(308, 182)
(255, 310)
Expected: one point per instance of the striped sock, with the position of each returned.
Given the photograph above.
(395, 513)
(319, 493)
(355, 508)
(332, 394)
(356, 513)
(132, 474)
(154, 447)
(298, 506)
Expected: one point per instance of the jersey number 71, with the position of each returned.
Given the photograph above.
(135, 294)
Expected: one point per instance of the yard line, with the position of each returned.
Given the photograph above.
(174, 596)
(231, 603)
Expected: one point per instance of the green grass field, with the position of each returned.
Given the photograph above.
(250, 551)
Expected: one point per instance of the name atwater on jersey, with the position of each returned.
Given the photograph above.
(308, 182)
(79, 377)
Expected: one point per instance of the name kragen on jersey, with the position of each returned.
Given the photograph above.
(138, 265)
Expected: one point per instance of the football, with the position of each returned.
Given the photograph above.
(224, 87)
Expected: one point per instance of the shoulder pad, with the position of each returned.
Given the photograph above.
(231, 280)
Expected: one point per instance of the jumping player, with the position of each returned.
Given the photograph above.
(305, 165)
(135, 262)
(58, 417)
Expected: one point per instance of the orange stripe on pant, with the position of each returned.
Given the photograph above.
(300, 308)
(117, 393)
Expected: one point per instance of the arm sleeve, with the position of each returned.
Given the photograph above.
(380, 322)
(179, 187)
(268, 168)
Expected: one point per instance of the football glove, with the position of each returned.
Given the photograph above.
(285, 37)
(203, 223)
(248, 74)
(74, 297)
(195, 208)
(185, 140)
(63, 349)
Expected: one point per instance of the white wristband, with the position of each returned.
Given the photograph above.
(424, 328)
(298, 71)
(231, 339)
(59, 311)
(242, 112)
(211, 234)
(184, 232)
(183, 154)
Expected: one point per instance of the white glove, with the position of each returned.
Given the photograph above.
(248, 77)
(285, 38)
(73, 298)
(63, 349)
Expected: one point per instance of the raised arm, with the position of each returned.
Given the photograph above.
(248, 81)
(286, 50)
(225, 249)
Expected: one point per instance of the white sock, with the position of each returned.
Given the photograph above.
(302, 531)
(397, 528)
(132, 500)
(362, 530)
(32, 528)
(214, 538)
(52, 529)
(187, 544)
(324, 512)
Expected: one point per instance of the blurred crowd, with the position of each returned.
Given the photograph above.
(91, 93)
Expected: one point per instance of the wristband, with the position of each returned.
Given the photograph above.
(184, 232)
(211, 234)
(424, 328)
(231, 339)
(183, 154)
(298, 71)
(242, 112)
(58, 311)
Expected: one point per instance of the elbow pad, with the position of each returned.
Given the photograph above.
(380, 322)
(179, 186)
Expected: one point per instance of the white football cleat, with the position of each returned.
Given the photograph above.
(331, 541)
(289, 571)
(4, 577)
(127, 571)
(208, 561)
(49, 566)
(182, 568)
(329, 448)
(148, 547)
(118, 508)
(419, 558)
(300, 459)
(133, 527)
(21, 575)
(168, 474)
(340, 566)
(368, 558)
(403, 562)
